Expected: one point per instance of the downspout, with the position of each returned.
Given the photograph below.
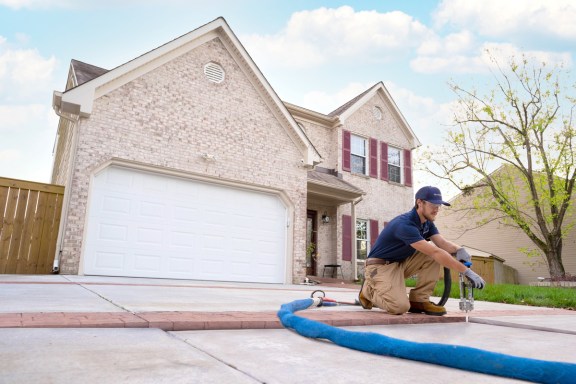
(353, 215)
(67, 190)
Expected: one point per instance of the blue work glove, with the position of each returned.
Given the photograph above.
(463, 256)
(475, 279)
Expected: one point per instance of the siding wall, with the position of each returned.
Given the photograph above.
(501, 240)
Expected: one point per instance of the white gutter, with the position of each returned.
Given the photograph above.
(56, 104)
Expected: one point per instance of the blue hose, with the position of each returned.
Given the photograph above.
(454, 356)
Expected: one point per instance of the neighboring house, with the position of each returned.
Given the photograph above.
(184, 163)
(489, 232)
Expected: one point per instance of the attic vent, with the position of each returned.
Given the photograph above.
(214, 73)
(377, 113)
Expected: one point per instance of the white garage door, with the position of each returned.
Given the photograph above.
(143, 224)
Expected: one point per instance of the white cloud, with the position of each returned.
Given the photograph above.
(497, 18)
(28, 133)
(451, 44)
(317, 36)
(36, 4)
(478, 61)
(24, 73)
(514, 27)
(16, 118)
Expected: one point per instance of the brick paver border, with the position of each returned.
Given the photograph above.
(184, 321)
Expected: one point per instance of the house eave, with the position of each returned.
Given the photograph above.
(331, 195)
(312, 116)
(327, 187)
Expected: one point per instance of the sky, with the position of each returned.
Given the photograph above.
(315, 54)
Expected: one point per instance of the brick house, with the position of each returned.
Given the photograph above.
(184, 163)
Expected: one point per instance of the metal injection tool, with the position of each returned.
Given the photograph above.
(466, 293)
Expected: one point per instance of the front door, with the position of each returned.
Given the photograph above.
(311, 238)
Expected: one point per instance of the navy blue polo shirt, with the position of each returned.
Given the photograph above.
(394, 241)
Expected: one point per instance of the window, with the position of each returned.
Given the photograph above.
(358, 152)
(361, 239)
(394, 165)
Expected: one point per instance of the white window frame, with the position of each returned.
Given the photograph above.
(359, 240)
(392, 165)
(355, 154)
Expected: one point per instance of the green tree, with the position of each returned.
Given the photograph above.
(518, 143)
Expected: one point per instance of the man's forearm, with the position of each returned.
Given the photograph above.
(451, 247)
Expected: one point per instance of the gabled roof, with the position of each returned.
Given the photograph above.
(347, 109)
(94, 82)
(83, 72)
(341, 109)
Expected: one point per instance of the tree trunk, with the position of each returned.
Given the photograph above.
(555, 267)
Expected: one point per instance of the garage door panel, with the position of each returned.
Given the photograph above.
(115, 204)
(183, 239)
(241, 269)
(151, 210)
(111, 261)
(117, 179)
(150, 225)
(150, 237)
(145, 263)
(113, 232)
(186, 214)
(181, 264)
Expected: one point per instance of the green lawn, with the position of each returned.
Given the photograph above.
(553, 297)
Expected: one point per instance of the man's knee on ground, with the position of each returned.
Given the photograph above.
(397, 308)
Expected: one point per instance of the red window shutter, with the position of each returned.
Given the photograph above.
(373, 158)
(408, 168)
(346, 238)
(346, 150)
(373, 231)
(383, 161)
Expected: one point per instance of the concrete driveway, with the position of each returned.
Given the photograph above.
(62, 329)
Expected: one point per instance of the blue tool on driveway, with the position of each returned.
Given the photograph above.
(454, 356)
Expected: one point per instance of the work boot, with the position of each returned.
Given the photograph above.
(364, 302)
(427, 308)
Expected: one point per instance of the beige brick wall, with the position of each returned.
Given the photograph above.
(383, 200)
(324, 139)
(169, 118)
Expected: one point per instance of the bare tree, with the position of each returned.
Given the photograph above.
(518, 141)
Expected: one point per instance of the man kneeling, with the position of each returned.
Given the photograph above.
(403, 250)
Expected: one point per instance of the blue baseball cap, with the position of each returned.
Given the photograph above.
(431, 194)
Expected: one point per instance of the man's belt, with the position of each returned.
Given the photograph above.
(374, 260)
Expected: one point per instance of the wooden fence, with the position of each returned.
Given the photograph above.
(29, 223)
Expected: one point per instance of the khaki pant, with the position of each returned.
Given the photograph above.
(384, 285)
